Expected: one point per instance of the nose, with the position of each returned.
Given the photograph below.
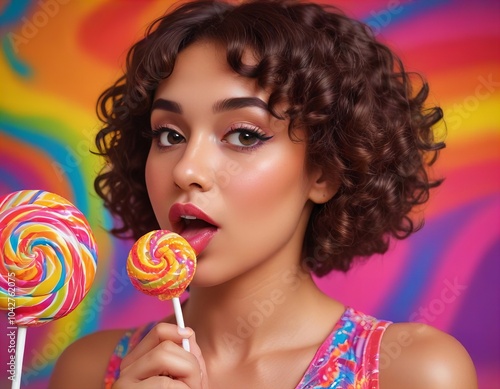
(194, 169)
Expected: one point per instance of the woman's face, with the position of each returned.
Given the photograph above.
(223, 172)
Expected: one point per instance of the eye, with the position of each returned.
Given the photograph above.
(242, 138)
(246, 138)
(170, 137)
(167, 137)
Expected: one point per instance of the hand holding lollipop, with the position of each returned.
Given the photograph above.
(48, 261)
(162, 263)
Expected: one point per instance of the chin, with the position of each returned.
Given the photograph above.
(205, 282)
(207, 276)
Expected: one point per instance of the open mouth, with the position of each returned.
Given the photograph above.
(197, 232)
(193, 225)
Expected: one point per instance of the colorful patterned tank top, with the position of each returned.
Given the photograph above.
(347, 359)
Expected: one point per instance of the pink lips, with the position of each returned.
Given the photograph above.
(193, 225)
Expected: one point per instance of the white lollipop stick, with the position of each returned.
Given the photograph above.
(20, 342)
(180, 320)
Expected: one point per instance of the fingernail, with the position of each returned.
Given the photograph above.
(185, 332)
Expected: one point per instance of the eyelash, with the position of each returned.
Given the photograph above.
(255, 131)
(154, 133)
(249, 129)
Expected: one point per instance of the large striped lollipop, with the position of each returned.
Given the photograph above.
(48, 260)
(162, 263)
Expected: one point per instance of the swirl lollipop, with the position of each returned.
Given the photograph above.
(48, 260)
(162, 263)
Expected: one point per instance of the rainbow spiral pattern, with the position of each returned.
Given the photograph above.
(48, 256)
(161, 263)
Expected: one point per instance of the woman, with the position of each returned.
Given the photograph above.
(281, 140)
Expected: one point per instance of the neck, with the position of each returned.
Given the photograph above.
(244, 318)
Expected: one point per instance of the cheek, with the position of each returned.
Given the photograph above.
(268, 183)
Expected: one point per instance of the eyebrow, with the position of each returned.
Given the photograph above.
(239, 102)
(166, 105)
(220, 106)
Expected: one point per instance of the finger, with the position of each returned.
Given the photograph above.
(163, 382)
(186, 333)
(166, 359)
(158, 334)
(150, 383)
(162, 360)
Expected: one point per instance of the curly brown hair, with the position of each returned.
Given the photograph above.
(366, 128)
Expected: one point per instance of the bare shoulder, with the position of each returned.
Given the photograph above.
(417, 356)
(83, 364)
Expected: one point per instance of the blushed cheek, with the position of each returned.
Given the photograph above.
(265, 187)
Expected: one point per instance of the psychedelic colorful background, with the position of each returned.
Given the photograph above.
(58, 55)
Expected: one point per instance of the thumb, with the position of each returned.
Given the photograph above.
(196, 351)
